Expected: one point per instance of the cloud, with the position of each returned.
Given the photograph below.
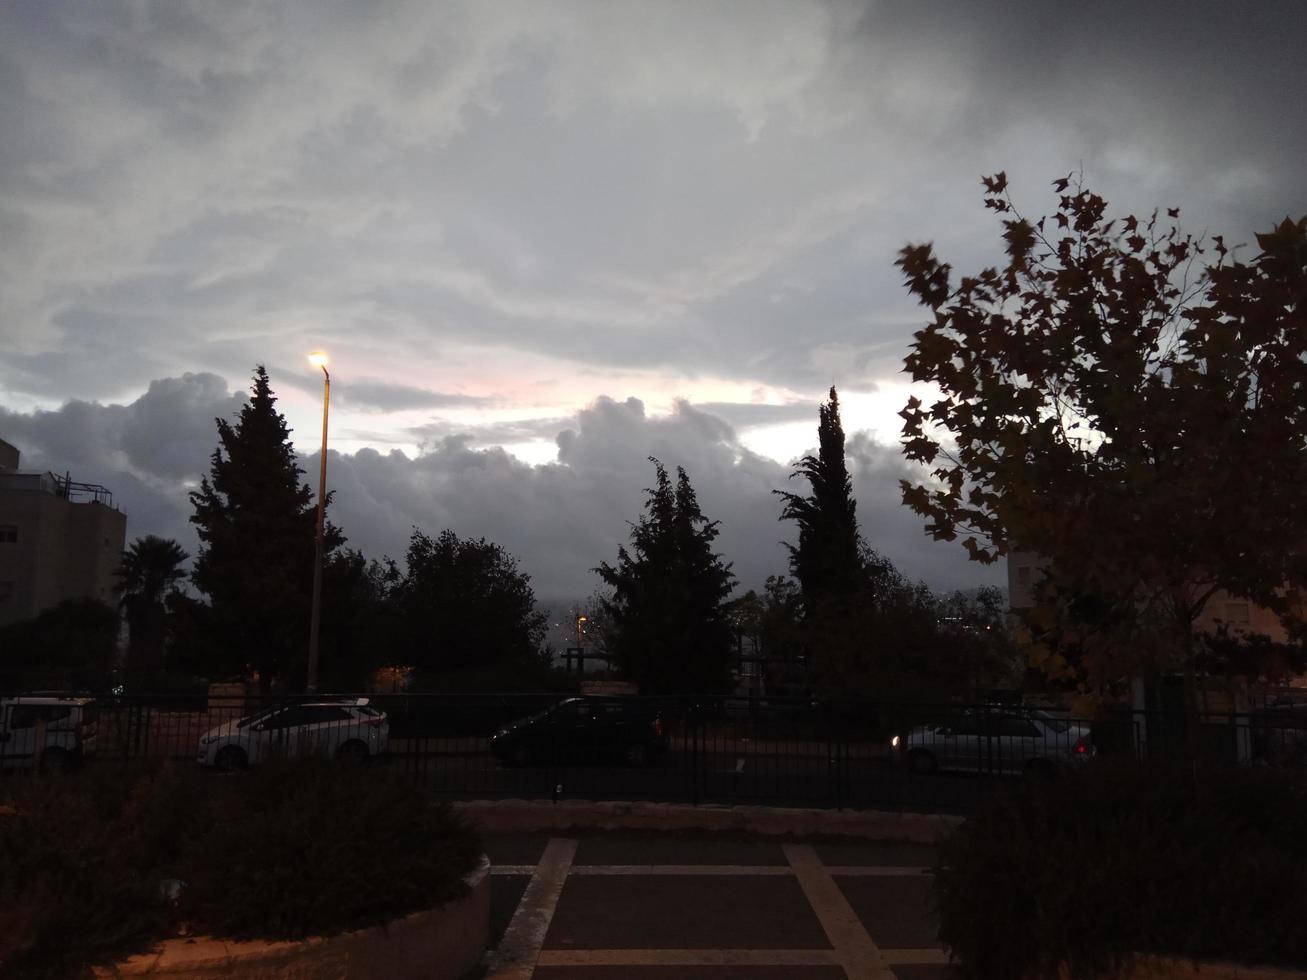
(383, 396)
(744, 415)
(561, 519)
(666, 187)
(492, 215)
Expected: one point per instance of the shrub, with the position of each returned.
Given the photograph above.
(71, 889)
(284, 851)
(308, 849)
(1123, 860)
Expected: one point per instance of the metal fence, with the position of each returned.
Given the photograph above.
(723, 750)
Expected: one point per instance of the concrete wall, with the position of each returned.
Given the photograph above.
(64, 550)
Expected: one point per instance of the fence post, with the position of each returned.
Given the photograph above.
(694, 755)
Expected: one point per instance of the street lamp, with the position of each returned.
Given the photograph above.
(319, 359)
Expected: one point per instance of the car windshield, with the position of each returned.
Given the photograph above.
(1058, 725)
(257, 716)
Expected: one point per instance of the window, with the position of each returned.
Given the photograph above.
(321, 714)
(1238, 613)
(8, 533)
(963, 726)
(1058, 725)
(1016, 727)
(289, 718)
(27, 715)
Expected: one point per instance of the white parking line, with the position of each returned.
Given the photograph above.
(743, 870)
(859, 956)
(747, 870)
(688, 957)
(515, 959)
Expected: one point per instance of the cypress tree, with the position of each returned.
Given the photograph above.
(255, 519)
(827, 560)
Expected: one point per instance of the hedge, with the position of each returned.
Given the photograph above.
(280, 852)
(1120, 860)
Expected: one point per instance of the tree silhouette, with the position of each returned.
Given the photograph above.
(1134, 417)
(826, 560)
(150, 571)
(256, 521)
(667, 623)
(464, 608)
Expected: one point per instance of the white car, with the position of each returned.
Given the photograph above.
(1027, 742)
(348, 730)
(49, 731)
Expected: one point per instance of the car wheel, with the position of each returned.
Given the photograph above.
(636, 755)
(230, 758)
(521, 755)
(352, 754)
(922, 762)
(1039, 771)
(54, 760)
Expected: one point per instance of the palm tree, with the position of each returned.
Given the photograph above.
(150, 571)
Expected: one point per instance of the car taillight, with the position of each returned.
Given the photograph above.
(1081, 748)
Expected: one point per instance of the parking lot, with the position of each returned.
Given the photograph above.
(697, 906)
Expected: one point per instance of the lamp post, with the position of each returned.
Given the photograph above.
(319, 359)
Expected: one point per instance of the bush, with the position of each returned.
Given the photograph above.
(1122, 860)
(77, 871)
(282, 852)
(305, 848)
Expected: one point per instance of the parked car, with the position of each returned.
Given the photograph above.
(584, 730)
(348, 730)
(1279, 734)
(48, 730)
(1025, 742)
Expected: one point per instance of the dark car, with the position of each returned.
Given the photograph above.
(1279, 734)
(584, 730)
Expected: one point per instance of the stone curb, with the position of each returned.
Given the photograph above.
(519, 816)
(443, 943)
(1163, 968)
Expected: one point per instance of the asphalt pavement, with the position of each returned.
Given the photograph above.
(726, 777)
(595, 905)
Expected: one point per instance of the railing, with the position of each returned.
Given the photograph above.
(725, 750)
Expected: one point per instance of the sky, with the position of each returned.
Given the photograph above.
(541, 242)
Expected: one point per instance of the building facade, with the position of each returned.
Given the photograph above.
(58, 540)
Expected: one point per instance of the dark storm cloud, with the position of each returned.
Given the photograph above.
(382, 396)
(493, 433)
(744, 415)
(490, 213)
(622, 186)
(560, 519)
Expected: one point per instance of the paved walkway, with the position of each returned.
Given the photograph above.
(640, 906)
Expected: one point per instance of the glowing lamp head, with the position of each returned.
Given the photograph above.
(318, 359)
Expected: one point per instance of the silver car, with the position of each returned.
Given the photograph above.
(349, 730)
(1016, 742)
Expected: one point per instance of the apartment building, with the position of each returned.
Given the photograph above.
(59, 540)
(1024, 569)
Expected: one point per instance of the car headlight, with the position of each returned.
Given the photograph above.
(894, 741)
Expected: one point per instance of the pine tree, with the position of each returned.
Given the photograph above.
(256, 520)
(667, 620)
(826, 561)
